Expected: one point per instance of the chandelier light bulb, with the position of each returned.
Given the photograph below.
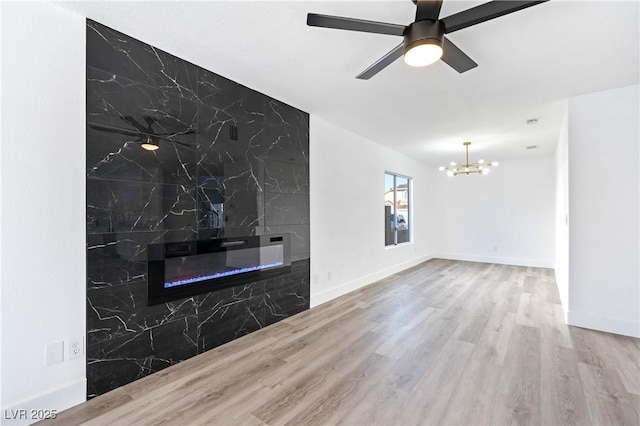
(468, 167)
(495, 164)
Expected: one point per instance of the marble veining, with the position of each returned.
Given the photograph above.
(125, 56)
(120, 206)
(201, 183)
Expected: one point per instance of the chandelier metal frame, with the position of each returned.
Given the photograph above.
(479, 167)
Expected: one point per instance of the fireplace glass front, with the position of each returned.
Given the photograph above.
(184, 269)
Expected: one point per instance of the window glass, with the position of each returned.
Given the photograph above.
(397, 197)
(402, 209)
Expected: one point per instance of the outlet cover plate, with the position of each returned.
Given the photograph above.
(76, 347)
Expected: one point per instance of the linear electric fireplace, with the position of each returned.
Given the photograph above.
(179, 270)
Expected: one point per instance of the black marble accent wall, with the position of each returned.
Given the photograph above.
(199, 184)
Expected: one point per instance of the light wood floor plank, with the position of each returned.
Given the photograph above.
(379, 406)
(417, 361)
(563, 400)
(626, 358)
(529, 310)
(492, 345)
(608, 402)
(554, 330)
(429, 399)
(472, 328)
(518, 400)
(444, 342)
(397, 345)
(467, 406)
(297, 392)
(346, 394)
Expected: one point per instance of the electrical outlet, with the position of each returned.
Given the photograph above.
(329, 275)
(76, 347)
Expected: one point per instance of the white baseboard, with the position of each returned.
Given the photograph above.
(31, 410)
(536, 263)
(600, 323)
(342, 289)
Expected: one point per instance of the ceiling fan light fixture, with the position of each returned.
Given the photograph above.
(423, 43)
(422, 53)
(150, 146)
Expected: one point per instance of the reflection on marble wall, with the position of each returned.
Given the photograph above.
(201, 183)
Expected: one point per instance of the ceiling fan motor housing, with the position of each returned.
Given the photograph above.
(426, 31)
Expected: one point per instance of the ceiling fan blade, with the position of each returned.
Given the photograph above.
(428, 9)
(382, 63)
(484, 12)
(135, 123)
(113, 129)
(150, 121)
(456, 58)
(188, 132)
(351, 24)
(164, 136)
(167, 139)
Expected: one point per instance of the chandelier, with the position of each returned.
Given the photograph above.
(479, 167)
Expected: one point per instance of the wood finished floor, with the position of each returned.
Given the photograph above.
(445, 342)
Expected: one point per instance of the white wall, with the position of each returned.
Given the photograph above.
(347, 211)
(504, 217)
(562, 215)
(604, 186)
(43, 212)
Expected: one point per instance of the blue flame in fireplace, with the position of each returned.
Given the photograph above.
(221, 274)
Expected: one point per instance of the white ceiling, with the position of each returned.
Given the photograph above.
(530, 62)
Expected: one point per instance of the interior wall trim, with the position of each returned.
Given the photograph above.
(515, 261)
(600, 323)
(342, 289)
(59, 399)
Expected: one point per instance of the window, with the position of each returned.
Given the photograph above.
(397, 219)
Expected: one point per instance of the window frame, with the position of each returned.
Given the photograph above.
(409, 197)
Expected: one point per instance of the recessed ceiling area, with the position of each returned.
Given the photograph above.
(529, 63)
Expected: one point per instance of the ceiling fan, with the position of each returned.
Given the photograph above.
(146, 136)
(424, 41)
